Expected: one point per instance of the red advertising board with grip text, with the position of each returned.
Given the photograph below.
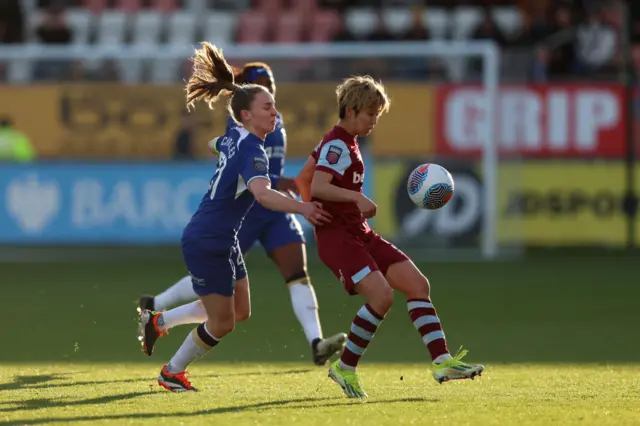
(545, 121)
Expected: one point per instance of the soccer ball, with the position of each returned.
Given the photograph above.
(430, 186)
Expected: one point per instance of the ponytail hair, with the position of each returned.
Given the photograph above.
(212, 76)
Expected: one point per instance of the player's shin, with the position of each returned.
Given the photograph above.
(305, 306)
(196, 345)
(191, 313)
(363, 328)
(179, 293)
(426, 321)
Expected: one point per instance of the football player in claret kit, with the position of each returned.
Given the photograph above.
(364, 262)
(209, 242)
(280, 235)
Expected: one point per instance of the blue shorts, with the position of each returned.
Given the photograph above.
(213, 271)
(273, 230)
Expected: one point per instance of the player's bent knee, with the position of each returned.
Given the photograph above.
(386, 299)
(220, 327)
(377, 291)
(243, 315)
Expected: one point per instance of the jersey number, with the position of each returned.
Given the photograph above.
(222, 163)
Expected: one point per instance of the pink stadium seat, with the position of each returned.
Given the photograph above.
(95, 6)
(324, 25)
(165, 5)
(305, 6)
(252, 27)
(129, 5)
(288, 27)
(269, 7)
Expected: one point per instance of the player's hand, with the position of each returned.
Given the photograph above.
(288, 186)
(367, 207)
(314, 214)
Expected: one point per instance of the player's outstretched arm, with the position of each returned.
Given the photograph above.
(274, 200)
(304, 179)
(323, 189)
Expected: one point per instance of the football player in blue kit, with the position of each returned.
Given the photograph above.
(280, 234)
(210, 245)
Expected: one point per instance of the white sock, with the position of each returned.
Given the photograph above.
(179, 293)
(192, 349)
(442, 358)
(191, 313)
(305, 305)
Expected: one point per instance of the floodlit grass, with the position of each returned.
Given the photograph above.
(557, 335)
(288, 394)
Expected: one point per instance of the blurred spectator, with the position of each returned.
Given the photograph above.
(343, 33)
(183, 148)
(488, 30)
(418, 68)
(53, 29)
(596, 44)
(535, 23)
(381, 32)
(417, 31)
(11, 22)
(586, 50)
(15, 146)
(556, 56)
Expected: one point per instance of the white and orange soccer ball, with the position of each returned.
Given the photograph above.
(430, 186)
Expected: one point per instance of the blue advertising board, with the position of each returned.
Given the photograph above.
(73, 203)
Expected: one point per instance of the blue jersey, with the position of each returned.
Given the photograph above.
(242, 158)
(275, 145)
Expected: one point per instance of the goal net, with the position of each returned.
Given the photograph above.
(430, 91)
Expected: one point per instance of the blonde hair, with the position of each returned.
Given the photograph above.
(361, 92)
(213, 77)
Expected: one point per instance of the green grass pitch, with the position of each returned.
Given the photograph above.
(558, 335)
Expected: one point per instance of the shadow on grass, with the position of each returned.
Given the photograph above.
(42, 382)
(20, 382)
(284, 404)
(41, 403)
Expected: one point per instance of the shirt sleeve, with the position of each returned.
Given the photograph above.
(334, 158)
(213, 146)
(255, 165)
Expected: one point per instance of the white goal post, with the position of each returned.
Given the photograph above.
(486, 50)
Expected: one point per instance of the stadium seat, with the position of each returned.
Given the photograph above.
(437, 20)
(464, 21)
(147, 27)
(81, 22)
(288, 27)
(305, 6)
(95, 6)
(508, 19)
(361, 22)
(398, 20)
(219, 27)
(269, 7)
(128, 5)
(165, 5)
(324, 25)
(182, 28)
(252, 27)
(112, 27)
(33, 20)
(195, 6)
